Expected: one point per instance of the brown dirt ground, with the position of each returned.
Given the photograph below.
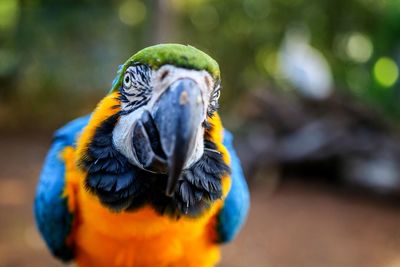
(298, 225)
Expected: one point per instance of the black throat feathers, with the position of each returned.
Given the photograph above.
(120, 185)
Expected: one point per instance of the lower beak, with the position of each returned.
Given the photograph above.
(178, 114)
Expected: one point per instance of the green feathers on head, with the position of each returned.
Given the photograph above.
(184, 56)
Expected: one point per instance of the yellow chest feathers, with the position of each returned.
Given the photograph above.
(139, 238)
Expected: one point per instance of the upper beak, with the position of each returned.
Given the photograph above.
(178, 114)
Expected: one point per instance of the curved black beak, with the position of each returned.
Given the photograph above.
(178, 114)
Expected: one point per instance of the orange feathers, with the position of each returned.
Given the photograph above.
(142, 237)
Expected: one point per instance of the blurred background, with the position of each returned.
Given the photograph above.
(311, 91)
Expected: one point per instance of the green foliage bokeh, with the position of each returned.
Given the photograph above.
(59, 58)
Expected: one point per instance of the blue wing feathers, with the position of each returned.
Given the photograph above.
(236, 206)
(51, 211)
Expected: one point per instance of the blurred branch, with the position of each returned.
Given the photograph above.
(353, 143)
(162, 22)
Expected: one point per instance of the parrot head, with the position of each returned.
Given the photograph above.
(156, 148)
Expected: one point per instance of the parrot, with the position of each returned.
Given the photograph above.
(150, 177)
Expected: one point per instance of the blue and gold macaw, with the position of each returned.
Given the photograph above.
(150, 178)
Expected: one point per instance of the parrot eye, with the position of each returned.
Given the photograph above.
(136, 88)
(127, 80)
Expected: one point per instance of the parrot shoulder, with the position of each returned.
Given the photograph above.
(232, 215)
(52, 215)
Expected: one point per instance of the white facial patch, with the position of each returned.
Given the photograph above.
(159, 82)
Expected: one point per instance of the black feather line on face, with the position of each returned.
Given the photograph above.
(214, 105)
(140, 88)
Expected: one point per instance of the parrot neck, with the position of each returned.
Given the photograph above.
(121, 186)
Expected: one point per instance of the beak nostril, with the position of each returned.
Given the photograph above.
(164, 75)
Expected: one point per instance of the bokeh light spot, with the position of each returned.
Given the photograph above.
(132, 12)
(359, 47)
(8, 13)
(386, 71)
